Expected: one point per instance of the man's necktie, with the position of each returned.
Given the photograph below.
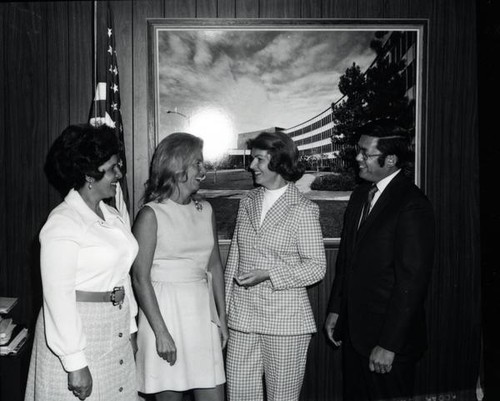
(368, 203)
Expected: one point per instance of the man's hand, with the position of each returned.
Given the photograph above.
(330, 323)
(253, 277)
(381, 360)
(80, 383)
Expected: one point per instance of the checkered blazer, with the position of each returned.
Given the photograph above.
(289, 244)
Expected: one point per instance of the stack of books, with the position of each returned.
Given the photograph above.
(12, 336)
(6, 329)
(16, 342)
(6, 304)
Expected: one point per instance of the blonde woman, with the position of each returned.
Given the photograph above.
(178, 279)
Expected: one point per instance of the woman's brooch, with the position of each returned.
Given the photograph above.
(198, 205)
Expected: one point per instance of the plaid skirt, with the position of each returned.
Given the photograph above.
(109, 355)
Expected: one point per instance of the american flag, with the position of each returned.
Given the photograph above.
(106, 105)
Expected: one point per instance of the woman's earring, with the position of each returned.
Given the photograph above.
(90, 185)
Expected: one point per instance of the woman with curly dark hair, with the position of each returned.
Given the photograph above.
(276, 252)
(82, 344)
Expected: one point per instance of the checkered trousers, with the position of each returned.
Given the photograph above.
(289, 244)
(281, 359)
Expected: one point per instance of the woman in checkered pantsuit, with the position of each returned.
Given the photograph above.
(276, 252)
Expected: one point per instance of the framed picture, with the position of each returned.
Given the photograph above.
(315, 80)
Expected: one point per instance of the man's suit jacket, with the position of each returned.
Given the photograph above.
(383, 269)
(289, 244)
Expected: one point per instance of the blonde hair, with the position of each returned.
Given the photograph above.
(171, 159)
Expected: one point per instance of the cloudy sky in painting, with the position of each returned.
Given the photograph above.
(257, 79)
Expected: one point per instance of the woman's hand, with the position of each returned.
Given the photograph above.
(224, 332)
(133, 342)
(80, 383)
(331, 322)
(253, 277)
(165, 347)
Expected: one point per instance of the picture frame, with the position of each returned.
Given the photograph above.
(227, 80)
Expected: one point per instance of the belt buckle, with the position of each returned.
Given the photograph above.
(113, 296)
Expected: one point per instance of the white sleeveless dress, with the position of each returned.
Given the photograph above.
(183, 290)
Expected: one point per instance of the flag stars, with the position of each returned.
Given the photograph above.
(110, 50)
(114, 106)
(114, 88)
(110, 32)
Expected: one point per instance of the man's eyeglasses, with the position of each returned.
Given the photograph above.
(365, 155)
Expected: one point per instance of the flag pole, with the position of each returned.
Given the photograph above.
(106, 101)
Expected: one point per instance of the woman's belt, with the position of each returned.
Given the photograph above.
(115, 297)
(171, 271)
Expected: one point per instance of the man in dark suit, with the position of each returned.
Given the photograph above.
(376, 308)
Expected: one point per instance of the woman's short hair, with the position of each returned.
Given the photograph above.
(284, 154)
(78, 152)
(392, 139)
(169, 165)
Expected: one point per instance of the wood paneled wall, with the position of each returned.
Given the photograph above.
(46, 83)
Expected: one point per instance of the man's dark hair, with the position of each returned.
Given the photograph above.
(392, 139)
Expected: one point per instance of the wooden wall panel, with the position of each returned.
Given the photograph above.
(396, 9)
(489, 42)
(141, 11)
(226, 8)
(279, 9)
(339, 9)
(206, 9)
(180, 9)
(370, 9)
(58, 113)
(247, 8)
(4, 277)
(310, 9)
(26, 145)
(80, 60)
(452, 164)
(419, 8)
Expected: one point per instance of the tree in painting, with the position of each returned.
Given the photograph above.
(377, 93)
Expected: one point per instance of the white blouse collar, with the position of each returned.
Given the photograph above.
(75, 200)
